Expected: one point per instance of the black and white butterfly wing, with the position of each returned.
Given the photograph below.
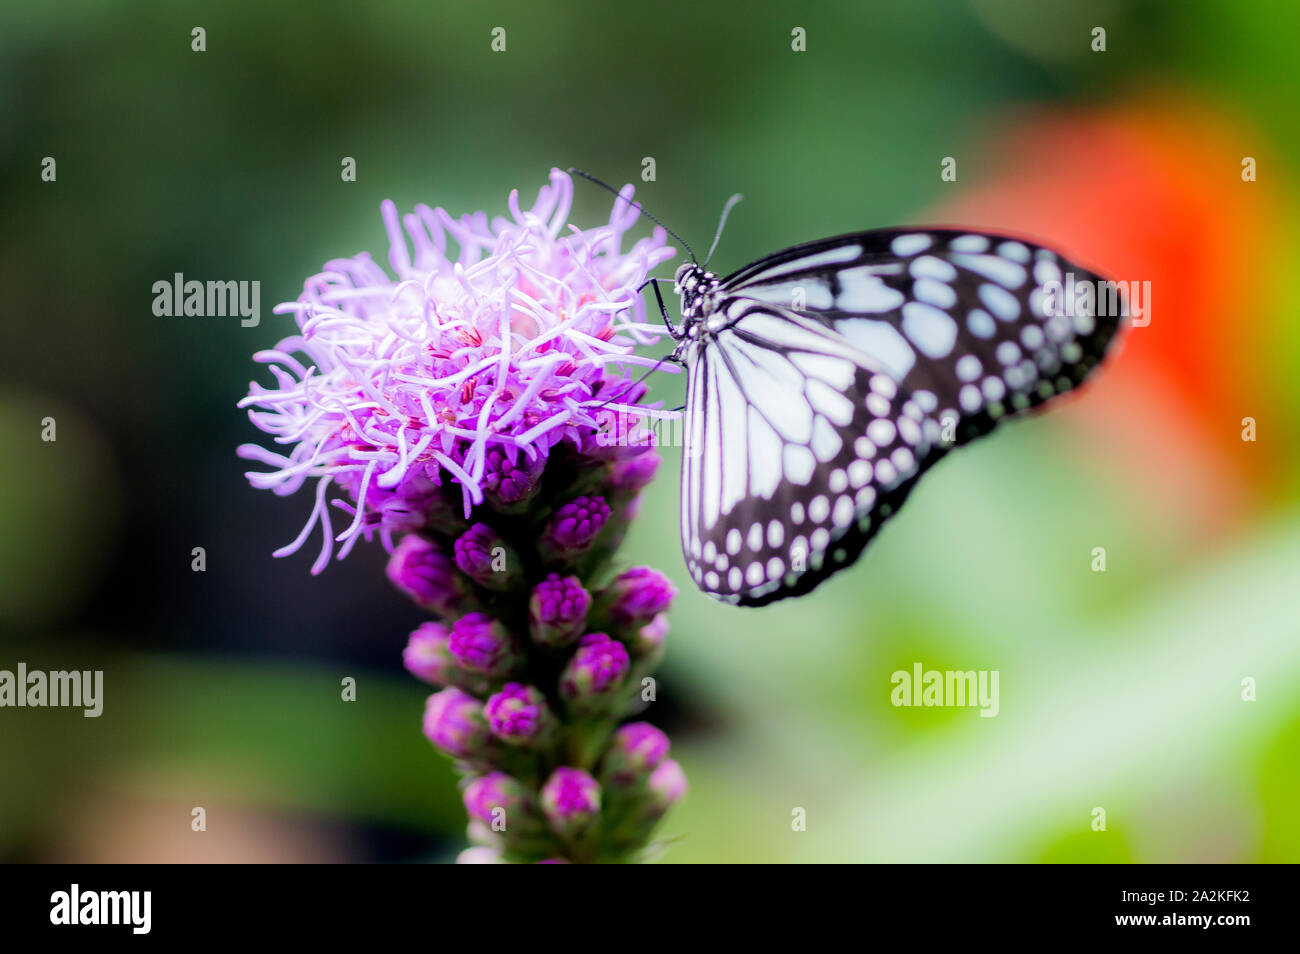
(831, 375)
(796, 448)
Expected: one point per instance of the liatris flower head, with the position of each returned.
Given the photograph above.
(557, 610)
(636, 597)
(635, 750)
(519, 715)
(452, 384)
(454, 722)
(423, 572)
(570, 800)
(482, 645)
(475, 410)
(596, 671)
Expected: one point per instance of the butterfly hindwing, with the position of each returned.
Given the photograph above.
(795, 453)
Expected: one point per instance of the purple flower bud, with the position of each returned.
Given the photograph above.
(428, 654)
(595, 671)
(510, 484)
(426, 574)
(637, 596)
(411, 505)
(575, 526)
(557, 612)
(635, 750)
(481, 644)
(665, 787)
(647, 643)
(485, 558)
(570, 800)
(518, 714)
(493, 798)
(631, 474)
(454, 722)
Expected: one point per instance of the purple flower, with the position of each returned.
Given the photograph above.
(479, 388)
(574, 526)
(481, 644)
(493, 798)
(454, 722)
(631, 474)
(518, 714)
(511, 478)
(635, 750)
(428, 654)
(647, 643)
(485, 558)
(424, 573)
(393, 388)
(595, 672)
(665, 787)
(570, 800)
(637, 596)
(557, 611)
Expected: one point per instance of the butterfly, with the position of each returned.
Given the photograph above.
(825, 379)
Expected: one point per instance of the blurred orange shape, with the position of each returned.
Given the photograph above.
(1153, 192)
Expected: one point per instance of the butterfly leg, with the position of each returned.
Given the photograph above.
(663, 309)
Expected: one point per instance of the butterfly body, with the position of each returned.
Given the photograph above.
(823, 380)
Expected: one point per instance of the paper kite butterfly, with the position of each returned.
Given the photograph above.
(825, 379)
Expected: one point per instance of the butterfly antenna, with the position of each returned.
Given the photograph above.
(636, 205)
(726, 211)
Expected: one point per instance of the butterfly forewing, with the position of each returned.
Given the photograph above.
(832, 374)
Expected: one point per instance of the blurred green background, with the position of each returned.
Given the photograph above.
(1119, 690)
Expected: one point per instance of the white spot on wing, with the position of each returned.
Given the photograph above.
(1015, 251)
(882, 341)
(837, 372)
(980, 323)
(927, 266)
(798, 463)
(934, 292)
(833, 256)
(825, 443)
(814, 292)
(830, 402)
(969, 243)
(764, 455)
(910, 244)
(862, 291)
(932, 330)
(999, 301)
(994, 268)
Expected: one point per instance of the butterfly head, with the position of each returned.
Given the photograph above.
(696, 286)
